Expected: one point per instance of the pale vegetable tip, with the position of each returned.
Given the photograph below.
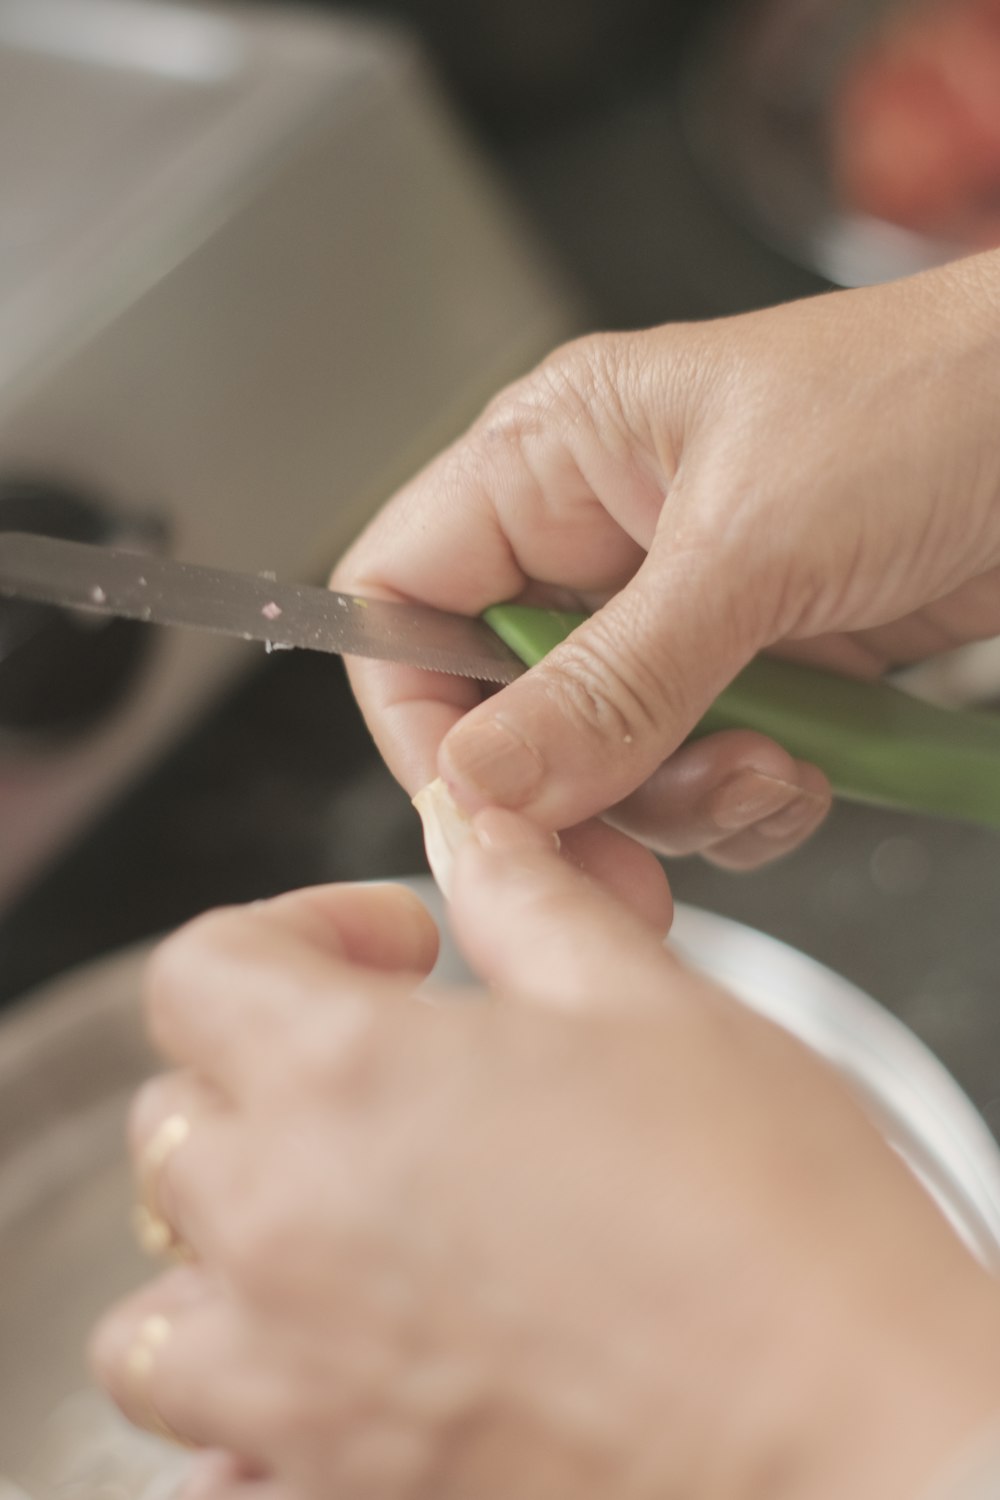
(446, 828)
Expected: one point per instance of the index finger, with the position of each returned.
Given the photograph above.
(546, 491)
(229, 994)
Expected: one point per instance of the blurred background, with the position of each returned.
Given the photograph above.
(258, 262)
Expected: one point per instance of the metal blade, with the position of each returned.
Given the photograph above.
(102, 580)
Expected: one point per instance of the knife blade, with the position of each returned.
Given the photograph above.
(875, 743)
(163, 591)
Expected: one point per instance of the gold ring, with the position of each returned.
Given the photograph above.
(152, 1333)
(156, 1235)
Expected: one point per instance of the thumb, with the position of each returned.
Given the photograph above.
(590, 723)
(530, 923)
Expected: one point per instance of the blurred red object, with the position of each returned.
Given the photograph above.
(915, 127)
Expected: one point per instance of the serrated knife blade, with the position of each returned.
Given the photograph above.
(163, 591)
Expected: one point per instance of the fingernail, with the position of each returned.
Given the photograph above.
(501, 832)
(792, 819)
(492, 762)
(446, 828)
(747, 797)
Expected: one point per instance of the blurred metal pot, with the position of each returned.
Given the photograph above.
(861, 137)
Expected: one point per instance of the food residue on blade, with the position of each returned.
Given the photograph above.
(271, 611)
(98, 595)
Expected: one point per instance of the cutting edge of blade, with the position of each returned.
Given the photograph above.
(495, 670)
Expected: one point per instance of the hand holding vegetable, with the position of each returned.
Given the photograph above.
(821, 479)
(650, 1248)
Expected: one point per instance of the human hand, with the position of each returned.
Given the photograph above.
(822, 479)
(647, 1248)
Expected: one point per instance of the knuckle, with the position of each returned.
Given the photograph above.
(518, 413)
(609, 375)
(610, 691)
(167, 967)
(589, 700)
(499, 415)
(336, 1049)
(515, 411)
(266, 1243)
(588, 378)
(182, 960)
(167, 976)
(575, 384)
(252, 1242)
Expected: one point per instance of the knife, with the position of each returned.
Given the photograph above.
(876, 743)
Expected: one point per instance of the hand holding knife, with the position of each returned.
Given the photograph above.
(875, 743)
